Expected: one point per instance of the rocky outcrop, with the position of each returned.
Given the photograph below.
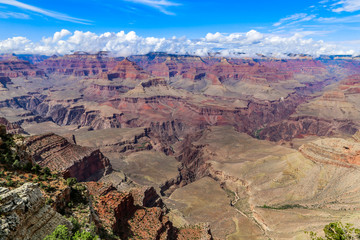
(118, 212)
(147, 197)
(11, 128)
(126, 70)
(56, 153)
(25, 216)
(336, 151)
(67, 113)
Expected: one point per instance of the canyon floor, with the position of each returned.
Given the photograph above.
(254, 149)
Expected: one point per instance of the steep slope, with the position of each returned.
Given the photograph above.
(126, 70)
(336, 111)
(24, 214)
(56, 153)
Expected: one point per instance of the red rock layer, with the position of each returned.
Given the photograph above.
(127, 70)
(56, 153)
(78, 65)
(192, 67)
(335, 151)
(19, 68)
(350, 85)
(296, 66)
(249, 71)
(116, 212)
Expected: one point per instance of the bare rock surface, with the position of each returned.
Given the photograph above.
(24, 214)
(56, 153)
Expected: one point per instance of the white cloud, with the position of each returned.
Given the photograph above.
(253, 36)
(346, 6)
(45, 12)
(16, 15)
(125, 44)
(348, 19)
(158, 4)
(295, 18)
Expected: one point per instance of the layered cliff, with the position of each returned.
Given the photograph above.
(15, 67)
(11, 128)
(335, 151)
(78, 64)
(56, 153)
(24, 214)
(117, 212)
(126, 70)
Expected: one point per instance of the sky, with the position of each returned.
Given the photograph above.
(226, 27)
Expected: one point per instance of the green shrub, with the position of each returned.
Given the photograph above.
(36, 168)
(337, 231)
(76, 224)
(49, 201)
(84, 236)
(50, 189)
(60, 233)
(10, 183)
(71, 181)
(46, 171)
(28, 166)
(16, 164)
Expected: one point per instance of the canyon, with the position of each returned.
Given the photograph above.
(200, 147)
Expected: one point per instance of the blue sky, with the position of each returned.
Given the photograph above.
(333, 21)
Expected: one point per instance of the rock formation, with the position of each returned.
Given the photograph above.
(78, 64)
(56, 153)
(335, 151)
(11, 128)
(126, 70)
(24, 214)
(15, 67)
(117, 212)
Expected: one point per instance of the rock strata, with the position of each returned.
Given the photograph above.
(25, 216)
(335, 151)
(56, 153)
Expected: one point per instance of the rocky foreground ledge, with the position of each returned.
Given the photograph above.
(24, 214)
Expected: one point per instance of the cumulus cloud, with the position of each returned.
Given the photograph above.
(125, 44)
(158, 4)
(45, 12)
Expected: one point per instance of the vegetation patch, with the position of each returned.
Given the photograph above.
(283, 207)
